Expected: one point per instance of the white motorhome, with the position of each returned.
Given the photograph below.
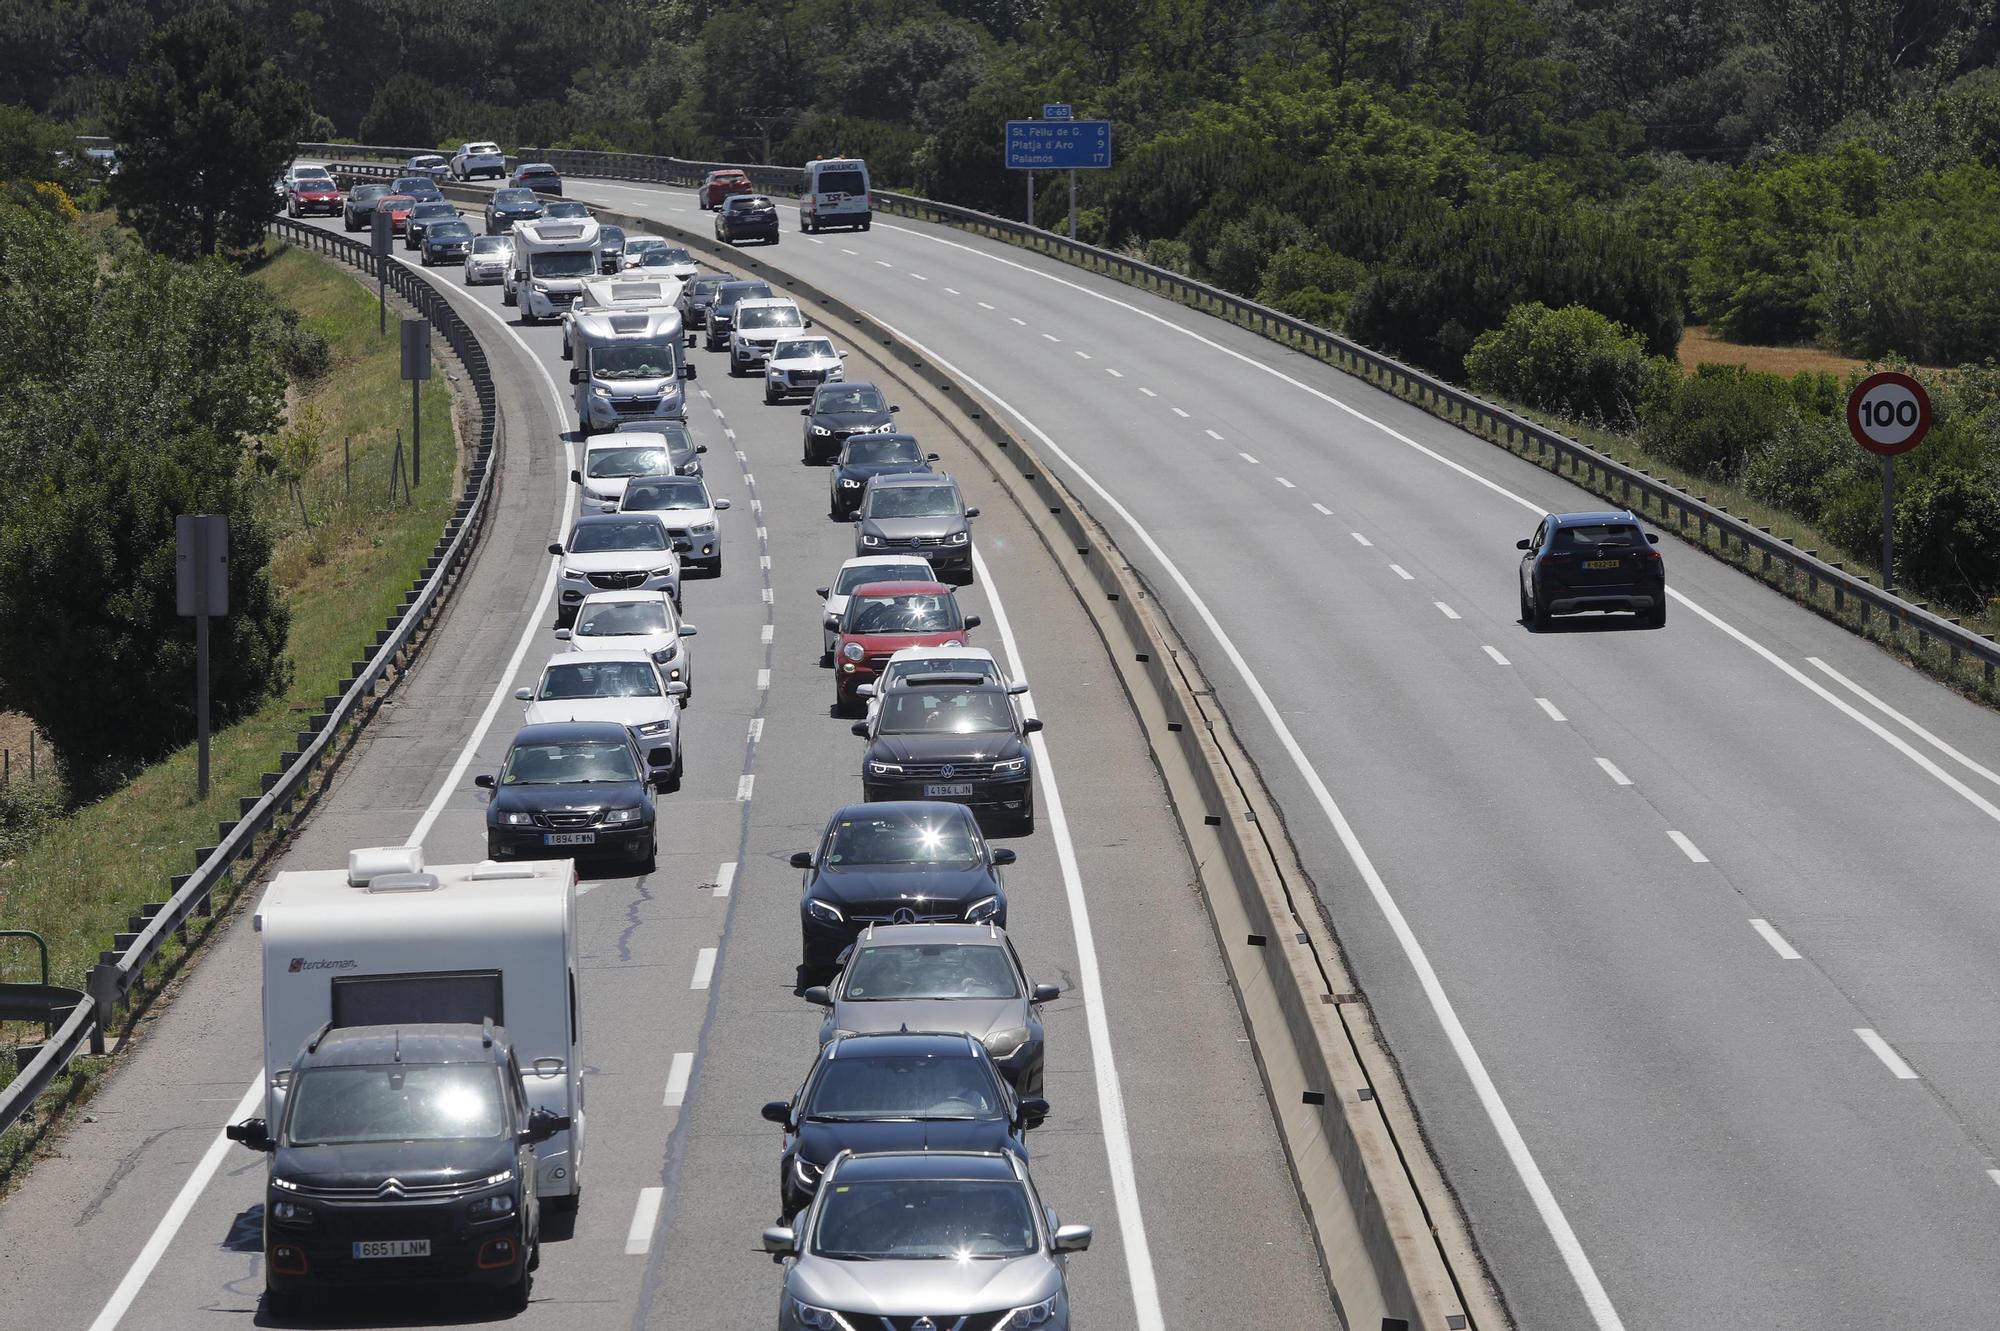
(628, 365)
(835, 193)
(390, 940)
(552, 258)
(624, 291)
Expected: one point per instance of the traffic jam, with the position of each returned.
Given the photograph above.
(424, 1106)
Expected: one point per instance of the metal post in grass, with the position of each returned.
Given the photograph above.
(416, 369)
(201, 589)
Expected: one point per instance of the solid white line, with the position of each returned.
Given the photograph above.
(1494, 652)
(1775, 939)
(725, 879)
(1890, 1058)
(1113, 373)
(704, 968)
(1611, 770)
(1247, 458)
(1532, 1179)
(1287, 484)
(756, 729)
(1110, 1098)
(1148, 392)
(745, 786)
(1323, 509)
(1445, 610)
(677, 1078)
(640, 1236)
(1213, 435)
(1182, 414)
(1908, 724)
(1402, 573)
(1360, 538)
(763, 680)
(1550, 708)
(176, 1216)
(1688, 848)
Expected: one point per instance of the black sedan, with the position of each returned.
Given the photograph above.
(722, 309)
(896, 1092)
(508, 206)
(864, 457)
(747, 217)
(1591, 561)
(424, 189)
(422, 216)
(359, 211)
(696, 296)
(537, 176)
(446, 242)
(571, 788)
(903, 863)
(951, 737)
(839, 411)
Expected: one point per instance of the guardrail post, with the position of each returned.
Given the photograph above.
(102, 986)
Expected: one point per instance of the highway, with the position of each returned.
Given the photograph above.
(146, 1219)
(1683, 939)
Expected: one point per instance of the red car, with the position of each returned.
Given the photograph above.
(398, 207)
(881, 619)
(313, 194)
(720, 185)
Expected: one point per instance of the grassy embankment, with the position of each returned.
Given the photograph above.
(81, 879)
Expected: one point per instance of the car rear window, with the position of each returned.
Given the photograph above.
(1599, 533)
(842, 182)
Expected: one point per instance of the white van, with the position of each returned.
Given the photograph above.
(835, 193)
(552, 259)
(390, 941)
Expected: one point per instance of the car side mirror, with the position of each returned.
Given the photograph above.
(780, 1241)
(254, 1133)
(894, 408)
(973, 621)
(563, 635)
(1046, 993)
(860, 728)
(802, 859)
(841, 354)
(575, 477)
(1521, 544)
(1032, 726)
(854, 517)
(1018, 687)
(555, 547)
(1003, 855)
(484, 781)
(542, 1125)
(1032, 1112)
(805, 411)
(805, 323)
(864, 690)
(721, 504)
(693, 370)
(930, 457)
(822, 592)
(701, 448)
(607, 508)
(575, 374)
(1652, 538)
(524, 695)
(971, 513)
(819, 996)
(677, 690)
(688, 630)
(1072, 1238)
(778, 1111)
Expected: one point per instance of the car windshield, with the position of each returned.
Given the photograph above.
(885, 973)
(899, 671)
(912, 839)
(703, 288)
(842, 182)
(513, 196)
(769, 316)
(632, 362)
(612, 237)
(805, 348)
(413, 184)
(566, 209)
(656, 259)
(662, 495)
(433, 209)
(911, 501)
(860, 575)
(675, 254)
(924, 1219)
(963, 711)
(621, 619)
(922, 612)
(368, 193)
(562, 265)
(635, 461)
(568, 763)
(425, 163)
(848, 397)
(860, 1087)
(402, 1102)
(644, 245)
(450, 231)
(489, 245)
(318, 179)
(729, 293)
(872, 451)
(600, 537)
(586, 678)
(1598, 533)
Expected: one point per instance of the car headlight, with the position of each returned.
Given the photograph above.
(1005, 1044)
(849, 483)
(952, 642)
(853, 651)
(287, 1212)
(1011, 767)
(666, 572)
(871, 540)
(514, 818)
(492, 1208)
(667, 653)
(597, 497)
(982, 910)
(805, 1172)
(690, 468)
(1035, 1314)
(823, 911)
(631, 815)
(887, 427)
(654, 728)
(884, 769)
(702, 529)
(960, 537)
(575, 574)
(818, 1319)
(821, 430)
(600, 391)
(540, 288)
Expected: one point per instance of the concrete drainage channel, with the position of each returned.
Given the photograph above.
(1396, 1248)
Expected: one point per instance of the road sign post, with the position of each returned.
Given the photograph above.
(382, 238)
(416, 369)
(201, 589)
(1888, 413)
(1057, 143)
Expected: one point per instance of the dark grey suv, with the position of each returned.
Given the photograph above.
(918, 514)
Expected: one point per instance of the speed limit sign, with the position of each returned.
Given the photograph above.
(1889, 413)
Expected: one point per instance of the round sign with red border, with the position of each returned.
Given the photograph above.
(1889, 413)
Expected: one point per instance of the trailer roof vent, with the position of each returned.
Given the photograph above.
(403, 882)
(487, 871)
(371, 862)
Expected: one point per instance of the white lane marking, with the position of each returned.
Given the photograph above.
(1360, 538)
(170, 1224)
(1051, 337)
(640, 1236)
(1550, 708)
(815, 240)
(705, 396)
(1083, 355)
(1182, 414)
(1115, 374)
(1688, 848)
(756, 729)
(718, 413)
(763, 680)
(1013, 319)
(745, 784)
(764, 535)
(1993, 1174)
(765, 633)
(757, 507)
(953, 291)
(1282, 481)
(1611, 770)
(1775, 939)
(1890, 1058)
(725, 879)
(728, 433)
(1246, 457)
(1213, 435)
(748, 479)
(845, 250)
(1402, 573)
(704, 968)
(1915, 729)
(1532, 1179)
(983, 305)
(920, 277)
(1494, 652)
(1148, 392)
(884, 263)
(1110, 1098)
(767, 596)
(1445, 610)
(764, 562)
(677, 1078)
(1323, 510)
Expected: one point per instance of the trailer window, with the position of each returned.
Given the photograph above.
(458, 997)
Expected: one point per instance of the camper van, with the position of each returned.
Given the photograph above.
(391, 941)
(628, 365)
(552, 258)
(621, 292)
(835, 193)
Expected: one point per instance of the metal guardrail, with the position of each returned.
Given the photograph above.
(1654, 498)
(110, 982)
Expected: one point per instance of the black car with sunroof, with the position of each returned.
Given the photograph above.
(864, 457)
(571, 789)
(840, 411)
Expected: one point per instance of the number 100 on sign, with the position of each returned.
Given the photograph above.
(1889, 413)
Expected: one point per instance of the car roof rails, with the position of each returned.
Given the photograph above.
(486, 1032)
(312, 1045)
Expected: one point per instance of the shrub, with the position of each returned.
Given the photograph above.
(1573, 361)
(1948, 533)
(1804, 468)
(1717, 420)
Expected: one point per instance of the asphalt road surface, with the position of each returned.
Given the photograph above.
(147, 1220)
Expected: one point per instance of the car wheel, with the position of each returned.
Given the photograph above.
(865, 225)
(650, 861)
(715, 569)
(514, 1295)
(735, 370)
(284, 1304)
(770, 400)
(1657, 616)
(1544, 621)
(774, 237)
(1025, 823)
(1526, 614)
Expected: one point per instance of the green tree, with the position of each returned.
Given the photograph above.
(205, 123)
(1573, 361)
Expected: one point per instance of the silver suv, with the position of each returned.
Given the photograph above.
(909, 1238)
(917, 513)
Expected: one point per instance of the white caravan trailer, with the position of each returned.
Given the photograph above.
(624, 292)
(391, 941)
(552, 258)
(628, 365)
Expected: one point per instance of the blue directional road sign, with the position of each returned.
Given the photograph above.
(1058, 145)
